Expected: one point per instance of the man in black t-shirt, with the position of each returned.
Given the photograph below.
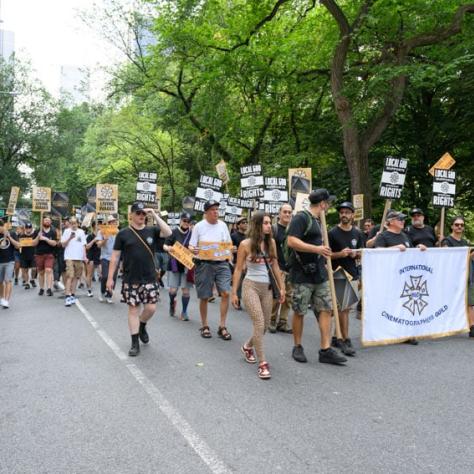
(418, 232)
(8, 244)
(27, 256)
(136, 244)
(279, 234)
(344, 239)
(309, 277)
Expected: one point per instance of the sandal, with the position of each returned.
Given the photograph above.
(264, 370)
(223, 333)
(248, 354)
(205, 332)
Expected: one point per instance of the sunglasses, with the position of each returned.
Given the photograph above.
(140, 213)
(187, 221)
(459, 225)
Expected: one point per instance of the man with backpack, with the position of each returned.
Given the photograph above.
(306, 258)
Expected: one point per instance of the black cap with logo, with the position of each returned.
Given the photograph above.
(137, 206)
(210, 204)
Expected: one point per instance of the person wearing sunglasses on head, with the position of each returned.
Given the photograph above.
(455, 239)
(136, 244)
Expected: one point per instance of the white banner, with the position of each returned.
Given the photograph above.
(413, 293)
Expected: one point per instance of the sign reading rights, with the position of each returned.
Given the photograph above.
(393, 177)
(146, 187)
(14, 194)
(251, 182)
(233, 210)
(444, 188)
(275, 194)
(106, 199)
(41, 199)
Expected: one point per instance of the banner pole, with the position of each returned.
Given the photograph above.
(331, 276)
(388, 205)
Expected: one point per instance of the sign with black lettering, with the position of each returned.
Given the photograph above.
(233, 210)
(106, 199)
(208, 190)
(393, 177)
(173, 219)
(41, 199)
(444, 188)
(146, 187)
(14, 194)
(251, 182)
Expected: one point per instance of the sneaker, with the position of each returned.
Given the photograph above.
(471, 331)
(101, 297)
(73, 299)
(330, 356)
(298, 354)
(272, 328)
(49, 292)
(55, 285)
(2, 301)
(89, 293)
(284, 328)
(184, 317)
(61, 286)
(41, 292)
(33, 283)
(67, 301)
(264, 370)
(109, 300)
(411, 341)
(27, 287)
(248, 354)
(81, 286)
(344, 347)
(143, 335)
(6, 304)
(134, 350)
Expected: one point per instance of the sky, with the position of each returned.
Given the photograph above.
(50, 34)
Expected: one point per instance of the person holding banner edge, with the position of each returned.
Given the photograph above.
(136, 245)
(309, 277)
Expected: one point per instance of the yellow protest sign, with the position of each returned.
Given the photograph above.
(106, 199)
(26, 242)
(222, 172)
(446, 162)
(215, 250)
(108, 230)
(358, 201)
(182, 254)
(14, 193)
(41, 199)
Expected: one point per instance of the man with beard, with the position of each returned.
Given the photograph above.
(45, 242)
(344, 239)
(418, 231)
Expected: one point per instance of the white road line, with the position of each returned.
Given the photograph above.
(201, 448)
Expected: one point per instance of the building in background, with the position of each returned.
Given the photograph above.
(74, 84)
(7, 44)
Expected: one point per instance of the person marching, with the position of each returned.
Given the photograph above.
(27, 258)
(238, 236)
(309, 277)
(74, 242)
(211, 232)
(93, 257)
(418, 231)
(45, 242)
(177, 273)
(106, 245)
(455, 239)
(343, 240)
(136, 244)
(279, 234)
(8, 244)
(258, 254)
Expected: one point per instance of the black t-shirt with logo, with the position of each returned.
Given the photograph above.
(138, 264)
(297, 228)
(43, 248)
(390, 239)
(340, 239)
(424, 235)
(279, 234)
(27, 253)
(8, 254)
(182, 238)
(450, 241)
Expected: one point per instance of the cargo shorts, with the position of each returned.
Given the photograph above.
(316, 296)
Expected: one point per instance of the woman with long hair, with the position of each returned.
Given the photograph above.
(258, 254)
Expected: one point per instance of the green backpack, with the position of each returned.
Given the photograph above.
(288, 252)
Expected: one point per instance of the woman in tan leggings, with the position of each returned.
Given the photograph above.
(258, 254)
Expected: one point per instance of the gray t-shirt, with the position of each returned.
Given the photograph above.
(106, 250)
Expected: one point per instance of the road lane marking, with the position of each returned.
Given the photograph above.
(199, 446)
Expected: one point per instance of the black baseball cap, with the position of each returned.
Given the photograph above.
(210, 204)
(28, 225)
(137, 206)
(186, 215)
(319, 195)
(346, 205)
(395, 215)
(416, 210)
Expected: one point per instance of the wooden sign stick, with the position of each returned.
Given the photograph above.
(388, 205)
(331, 276)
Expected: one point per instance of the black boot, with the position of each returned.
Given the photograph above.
(135, 349)
(142, 333)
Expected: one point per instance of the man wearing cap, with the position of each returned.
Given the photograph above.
(106, 245)
(177, 272)
(344, 239)
(418, 231)
(279, 234)
(136, 244)
(309, 277)
(27, 256)
(211, 242)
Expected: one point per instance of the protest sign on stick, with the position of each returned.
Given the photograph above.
(182, 254)
(14, 194)
(444, 192)
(106, 198)
(41, 199)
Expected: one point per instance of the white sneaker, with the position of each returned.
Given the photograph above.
(109, 300)
(89, 293)
(6, 304)
(101, 297)
(67, 301)
(73, 300)
(60, 286)
(2, 301)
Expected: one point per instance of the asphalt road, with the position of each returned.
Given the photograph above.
(71, 401)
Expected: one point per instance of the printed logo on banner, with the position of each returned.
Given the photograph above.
(415, 290)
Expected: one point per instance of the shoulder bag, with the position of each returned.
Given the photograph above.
(273, 281)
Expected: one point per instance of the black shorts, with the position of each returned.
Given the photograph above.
(27, 262)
